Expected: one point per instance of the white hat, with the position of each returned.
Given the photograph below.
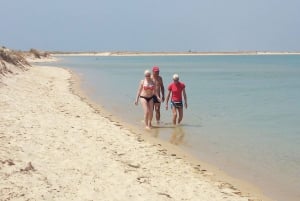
(175, 77)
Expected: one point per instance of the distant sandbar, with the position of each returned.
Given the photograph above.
(128, 53)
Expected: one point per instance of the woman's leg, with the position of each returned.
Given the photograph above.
(174, 112)
(180, 114)
(144, 104)
(150, 112)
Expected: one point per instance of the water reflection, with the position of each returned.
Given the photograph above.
(177, 135)
(169, 132)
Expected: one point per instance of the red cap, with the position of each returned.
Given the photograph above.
(155, 68)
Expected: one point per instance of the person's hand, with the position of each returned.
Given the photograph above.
(136, 102)
(159, 99)
(185, 105)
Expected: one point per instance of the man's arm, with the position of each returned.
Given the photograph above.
(162, 89)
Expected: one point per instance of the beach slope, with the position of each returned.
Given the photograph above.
(54, 146)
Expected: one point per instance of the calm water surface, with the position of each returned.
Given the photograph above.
(243, 111)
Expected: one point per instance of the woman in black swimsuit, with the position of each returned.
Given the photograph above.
(145, 94)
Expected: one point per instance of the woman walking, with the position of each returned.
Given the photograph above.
(177, 89)
(145, 93)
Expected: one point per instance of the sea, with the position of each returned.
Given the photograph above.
(243, 112)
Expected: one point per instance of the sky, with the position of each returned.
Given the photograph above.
(151, 25)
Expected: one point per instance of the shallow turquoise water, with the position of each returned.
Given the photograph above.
(243, 113)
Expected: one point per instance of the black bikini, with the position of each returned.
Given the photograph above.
(147, 98)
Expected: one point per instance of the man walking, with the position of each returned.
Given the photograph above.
(160, 91)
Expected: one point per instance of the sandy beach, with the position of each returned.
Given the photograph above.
(55, 146)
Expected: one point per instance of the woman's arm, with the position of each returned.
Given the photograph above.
(138, 92)
(185, 97)
(167, 99)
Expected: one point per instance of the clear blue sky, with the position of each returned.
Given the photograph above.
(151, 25)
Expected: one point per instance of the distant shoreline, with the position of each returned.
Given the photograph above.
(129, 53)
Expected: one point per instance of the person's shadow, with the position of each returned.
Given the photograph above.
(177, 135)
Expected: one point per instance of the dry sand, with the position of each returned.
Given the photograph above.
(54, 146)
